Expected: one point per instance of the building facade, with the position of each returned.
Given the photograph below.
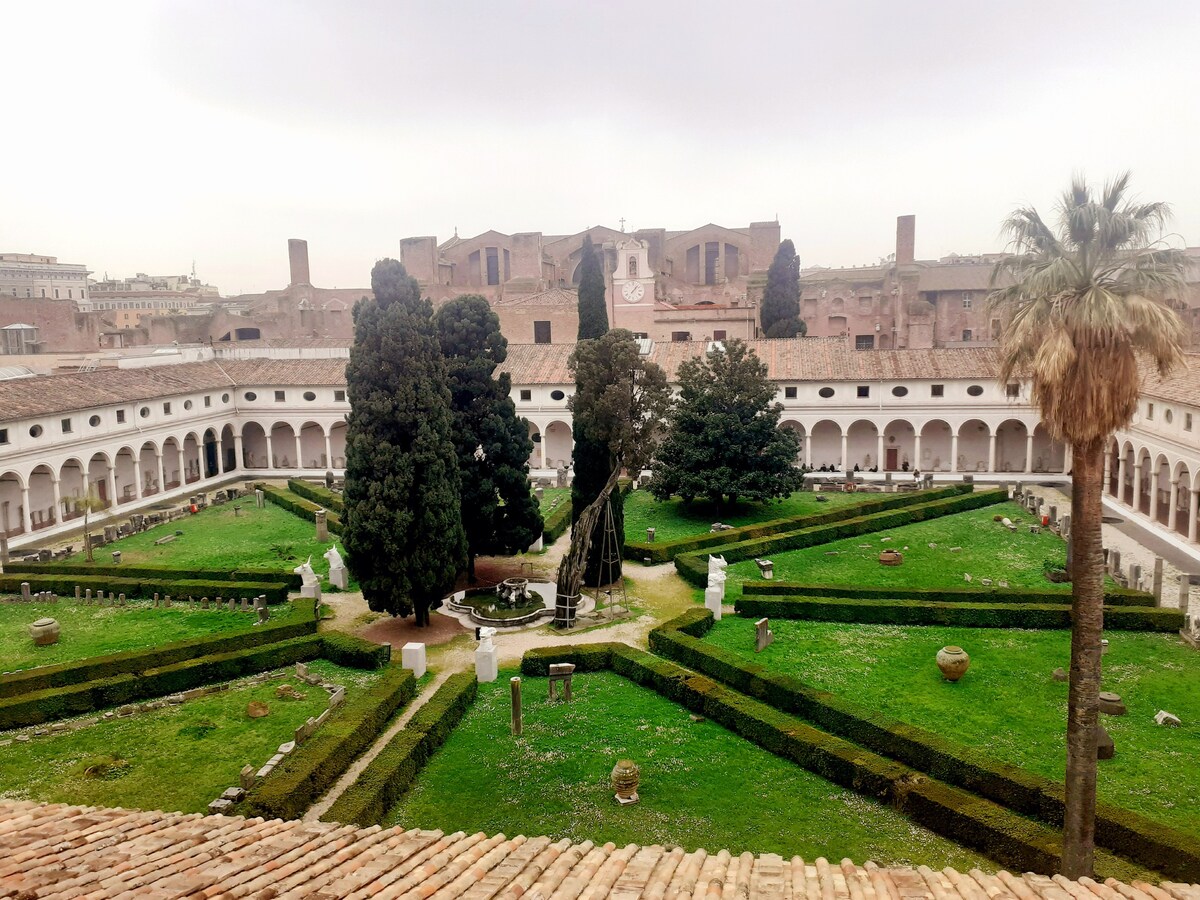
(31, 276)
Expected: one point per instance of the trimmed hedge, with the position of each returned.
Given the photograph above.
(298, 506)
(391, 773)
(318, 494)
(665, 551)
(155, 573)
(1116, 596)
(314, 766)
(694, 566)
(133, 662)
(556, 522)
(586, 657)
(1017, 843)
(1133, 836)
(37, 707)
(354, 652)
(970, 615)
(63, 584)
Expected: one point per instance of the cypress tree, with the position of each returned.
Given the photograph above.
(499, 511)
(593, 310)
(402, 527)
(780, 312)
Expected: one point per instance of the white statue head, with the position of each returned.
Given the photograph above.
(334, 558)
(305, 571)
(716, 564)
(485, 638)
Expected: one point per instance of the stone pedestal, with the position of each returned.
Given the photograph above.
(322, 527)
(412, 656)
(311, 590)
(339, 578)
(1157, 588)
(486, 665)
(538, 545)
(713, 598)
(260, 499)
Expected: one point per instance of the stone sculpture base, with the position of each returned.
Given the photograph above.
(311, 590)
(714, 597)
(486, 665)
(412, 656)
(339, 578)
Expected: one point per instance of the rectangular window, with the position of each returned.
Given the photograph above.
(493, 266)
(66, 426)
(1187, 421)
(966, 299)
(167, 408)
(966, 334)
(864, 390)
(681, 336)
(339, 396)
(280, 396)
(1013, 390)
(864, 342)
(1150, 411)
(208, 401)
(526, 394)
(120, 416)
(56, 293)
(3, 435)
(719, 335)
(937, 390)
(789, 393)
(69, 296)
(541, 332)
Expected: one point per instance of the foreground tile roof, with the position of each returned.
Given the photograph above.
(1182, 386)
(69, 851)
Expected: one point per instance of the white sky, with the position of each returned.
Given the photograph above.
(140, 136)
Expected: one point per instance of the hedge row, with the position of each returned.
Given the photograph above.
(665, 551)
(132, 662)
(1129, 834)
(298, 506)
(312, 768)
(968, 615)
(1116, 596)
(354, 652)
(37, 707)
(318, 494)
(1015, 842)
(64, 583)
(556, 522)
(392, 772)
(694, 566)
(154, 573)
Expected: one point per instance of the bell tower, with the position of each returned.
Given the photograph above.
(633, 287)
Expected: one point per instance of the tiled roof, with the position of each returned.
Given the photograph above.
(553, 297)
(287, 371)
(63, 851)
(1182, 387)
(961, 277)
(538, 363)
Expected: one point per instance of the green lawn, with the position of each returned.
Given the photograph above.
(988, 550)
(97, 630)
(1008, 703)
(549, 495)
(270, 540)
(175, 758)
(674, 519)
(701, 785)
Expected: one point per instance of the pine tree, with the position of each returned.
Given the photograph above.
(723, 436)
(402, 526)
(593, 310)
(780, 312)
(499, 512)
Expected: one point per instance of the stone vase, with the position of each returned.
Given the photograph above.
(953, 662)
(891, 557)
(44, 632)
(625, 778)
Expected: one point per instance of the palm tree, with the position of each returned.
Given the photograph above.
(1085, 302)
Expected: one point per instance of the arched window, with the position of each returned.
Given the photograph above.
(633, 273)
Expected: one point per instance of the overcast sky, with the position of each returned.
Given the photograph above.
(140, 136)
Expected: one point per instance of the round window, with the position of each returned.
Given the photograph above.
(1168, 415)
(94, 421)
(187, 404)
(826, 392)
(557, 395)
(144, 411)
(251, 396)
(309, 395)
(35, 431)
(224, 398)
(899, 391)
(975, 390)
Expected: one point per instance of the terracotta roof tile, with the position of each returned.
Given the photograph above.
(56, 851)
(1182, 387)
(553, 297)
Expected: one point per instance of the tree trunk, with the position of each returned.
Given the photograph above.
(570, 570)
(470, 565)
(1087, 626)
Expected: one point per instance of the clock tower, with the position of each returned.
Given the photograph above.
(633, 287)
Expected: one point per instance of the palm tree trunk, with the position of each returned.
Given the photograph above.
(1087, 626)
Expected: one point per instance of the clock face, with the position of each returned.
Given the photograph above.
(633, 291)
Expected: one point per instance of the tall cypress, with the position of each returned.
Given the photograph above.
(780, 312)
(402, 527)
(593, 310)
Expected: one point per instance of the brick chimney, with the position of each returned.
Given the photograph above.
(906, 240)
(298, 260)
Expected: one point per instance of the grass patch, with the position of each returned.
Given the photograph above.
(174, 758)
(673, 518)
(1008, 704)
(98, 630)
(702, 786)
(270, 540)
(989, 550)
(550, 494)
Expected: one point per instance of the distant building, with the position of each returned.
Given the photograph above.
(31, 276)
(158, 284)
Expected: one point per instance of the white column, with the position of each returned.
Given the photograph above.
(1193, 512)
(239, 461)
(26, 518)
(1137, 486)
(954, 451)
(329, 451)
(808, 442)
(992, 452)
(137, 476)
(916, 463)
(1107, 468)
(270, 452)
(1154, 497)
(299, 461)
(1029, 452)
(845, 450)
(58, 513)
(879, 450)
(159, 456)
(1121, 478)
(1172, 511)
(112, 486)
(182, 460)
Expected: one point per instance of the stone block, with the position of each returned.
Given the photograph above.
(714, 598)
(412, 656)
(234, 794)
(486, 665)
(339, 578)
(246, 777)
(219, 806)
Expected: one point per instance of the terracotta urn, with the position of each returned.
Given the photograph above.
(891, 557)
(625, 777)
(44, 632)
(954, 662)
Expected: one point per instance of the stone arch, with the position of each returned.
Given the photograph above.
(937, 445)
(191, 457)
(282, 441)
(1144, 469)
(172, 468)
(337, 444)
(1052, 453)
(557, 443)
(1127, 487)
(149, 469)
(825, 445)
(1160, 488)
(862, 446)
(42, 482)
(312, 447)
(1114, 467)
(899, 447)
(254, 446)
(1183, 476)
(1012, 448)
(71, 487)
(228, 449)
(537, 456)
(126, 475)
(974, 445)
(211, 457)
(12, 503)
(797, 428)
